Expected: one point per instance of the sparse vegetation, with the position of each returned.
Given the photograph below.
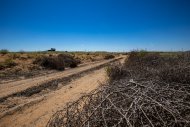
(178, 74)
(154, 91)
(7, 64)
(115, 71)
(4, 51)
(14, 55)
(27, 61)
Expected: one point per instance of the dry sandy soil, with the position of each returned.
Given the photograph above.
(36, 110)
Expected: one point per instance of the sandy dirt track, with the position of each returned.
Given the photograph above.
(7, 89)
(37, 115)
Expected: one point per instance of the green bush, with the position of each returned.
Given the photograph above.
(4, 51)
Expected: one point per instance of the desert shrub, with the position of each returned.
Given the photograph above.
(179, 74)
(185, 56)
(69, 60)
(50, 62)
(15, 56)
(23, 57)
(109, 56)
(142, 53)
(144, 63)
(144, 58)
(115, 71)
(169, 68)
(157, 96)
(57, 62)
(8, 63)
(30, 55)
(133, 103)
(4, 51)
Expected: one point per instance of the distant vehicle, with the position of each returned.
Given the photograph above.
(52, 49)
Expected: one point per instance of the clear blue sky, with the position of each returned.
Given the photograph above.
(91, 25)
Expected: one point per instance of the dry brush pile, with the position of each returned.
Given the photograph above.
(57, 62)
(153, 91)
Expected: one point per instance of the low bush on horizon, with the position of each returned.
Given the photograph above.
(4, 51)
(58, 62)
(26, 61)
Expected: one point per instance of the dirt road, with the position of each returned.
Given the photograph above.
(10, 88)
(38, 114)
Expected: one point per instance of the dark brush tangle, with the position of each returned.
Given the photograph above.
(155, 92)
(57, 62)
